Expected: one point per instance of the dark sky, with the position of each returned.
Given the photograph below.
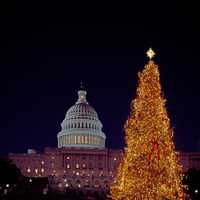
(46, 49)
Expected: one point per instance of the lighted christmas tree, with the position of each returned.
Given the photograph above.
(150, 167)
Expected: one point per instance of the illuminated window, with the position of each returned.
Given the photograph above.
(65, 139)
(115, 159)
(65, 180)
(28, 170)
(36, 171)
(83, 173)
(75, 139)
(77, 173)
(68, 157)
(79, 139)
(101, 173)
(68, 166)
(95, 140)
(82, 139)
(77, 166)
(42, 162)
(42, 170)
(86, 139)
(66, 185)
(60, 185)
(70, 139)
(83, 166)
(79, 185)
(52, 157)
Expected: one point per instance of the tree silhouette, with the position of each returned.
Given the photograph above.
(9, 173)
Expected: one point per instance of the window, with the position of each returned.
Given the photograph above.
(36, 171)
(86, 139)
(68, 166)
(82, 139)
(79, 139)
(90, 166)
(66, 185)
(83, 166)
(68, 157)
(29, 170)
(42, 170)
(77, 166)
(42, 162)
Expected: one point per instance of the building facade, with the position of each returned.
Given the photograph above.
(81, 159)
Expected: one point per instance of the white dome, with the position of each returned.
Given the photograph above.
(81, 126)
(81, 111)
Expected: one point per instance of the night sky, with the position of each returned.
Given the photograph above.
(46, 49)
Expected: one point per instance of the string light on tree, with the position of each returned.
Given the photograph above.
(150, 167)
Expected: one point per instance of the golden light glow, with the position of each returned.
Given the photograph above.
(150, 167)
(150, 53)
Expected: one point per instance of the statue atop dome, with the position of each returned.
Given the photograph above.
(82, 94)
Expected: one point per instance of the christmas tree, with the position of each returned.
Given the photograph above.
(150, 168)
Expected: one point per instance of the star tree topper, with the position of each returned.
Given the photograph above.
(150, 53)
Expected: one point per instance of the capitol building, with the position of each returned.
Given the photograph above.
(81, 159)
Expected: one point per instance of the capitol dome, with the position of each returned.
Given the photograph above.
(81, 126)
